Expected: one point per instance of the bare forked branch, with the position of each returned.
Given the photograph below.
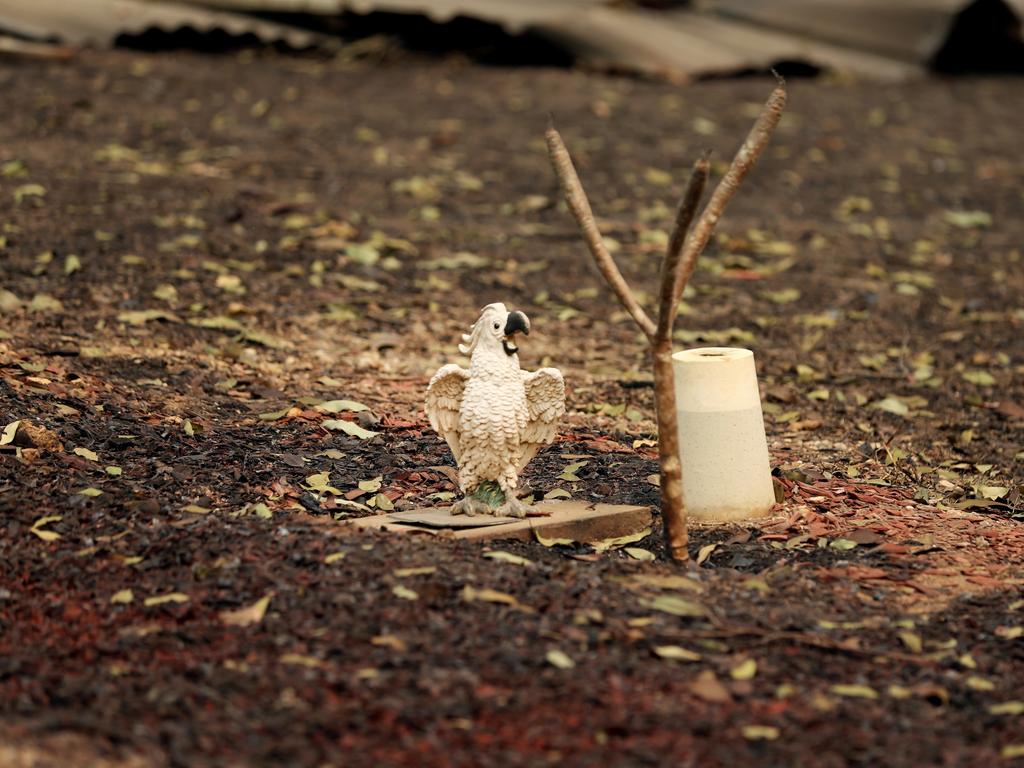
(681, 256)
(671, 275)
(580, 207)
(745, 159)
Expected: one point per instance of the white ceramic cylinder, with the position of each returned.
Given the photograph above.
(726, 473)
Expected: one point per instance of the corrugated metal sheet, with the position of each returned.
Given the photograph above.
(514, 16)
(889, 39)
(688, 43)
(100, 22)
(907, 30)
(12, 46)
(317, 7)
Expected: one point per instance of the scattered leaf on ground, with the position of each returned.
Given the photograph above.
(705, 553)
(707, 686)
(911, 641)
(854, 691)
(675, 653)
(420, 570)
(557, 658)
(745, 670)
(37, 527)
(619, 541)
(349, 428)
(760, 732)
(638, 553)
(508, 557)
(675, 605)
(243, 617)
(338, 406)
(86, 454)
(472, 594)
(9, 432)
(1007, 708)
(551, 542)
(173, 597)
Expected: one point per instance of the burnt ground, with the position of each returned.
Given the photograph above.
(199, 250)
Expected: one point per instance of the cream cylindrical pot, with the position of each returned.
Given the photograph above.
(726, 472)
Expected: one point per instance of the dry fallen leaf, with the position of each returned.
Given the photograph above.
(557, 493)
(760, 732)
(37, 527)
(745, 670)
(372, 485)
(337, 406)
(173, 597)
(619, 541)
(661, 581)
(911, 641)
(854, 691)
(243, 617)
(349, 428)
(9, 432)
(382, 502)
(976, 683)
(422, 570)
(472, 594)
(705, 553)
(707, 687)
(393, 642)
(675, 605)
(638, 553)
(551, 542)
(675, 653)
(508, 557)
(301, 660)
(1007, 708)
(557, 658)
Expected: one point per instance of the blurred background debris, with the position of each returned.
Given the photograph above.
(676, 39)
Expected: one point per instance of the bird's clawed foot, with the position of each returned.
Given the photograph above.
(470, 506)
(513, 507)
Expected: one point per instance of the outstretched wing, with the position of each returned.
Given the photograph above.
(545, 401)
(444, 401)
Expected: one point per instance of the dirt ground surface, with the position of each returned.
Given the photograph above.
(199, 252)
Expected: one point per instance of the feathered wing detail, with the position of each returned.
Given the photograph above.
(545, 401)
(444, 401)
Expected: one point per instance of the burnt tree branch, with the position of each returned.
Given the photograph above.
(684, 248)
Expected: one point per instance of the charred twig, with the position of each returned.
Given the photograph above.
(681, 256)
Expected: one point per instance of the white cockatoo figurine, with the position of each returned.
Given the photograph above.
(495, 416)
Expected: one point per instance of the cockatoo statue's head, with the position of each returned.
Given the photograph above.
(495, 329)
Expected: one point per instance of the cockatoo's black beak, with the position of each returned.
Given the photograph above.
(517, 322)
